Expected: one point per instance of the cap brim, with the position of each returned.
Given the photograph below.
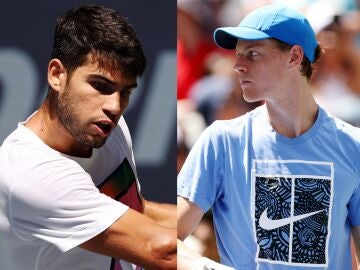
(227, 37)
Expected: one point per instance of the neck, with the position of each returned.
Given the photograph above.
(293, 114)
(47, 126)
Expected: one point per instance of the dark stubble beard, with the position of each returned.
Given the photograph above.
(65, 110)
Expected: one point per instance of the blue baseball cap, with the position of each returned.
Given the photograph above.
(271, 21)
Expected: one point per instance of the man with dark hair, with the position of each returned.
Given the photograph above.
(69, 193)
(283, 180)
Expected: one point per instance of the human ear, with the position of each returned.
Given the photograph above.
(56, 75)
(296, 55)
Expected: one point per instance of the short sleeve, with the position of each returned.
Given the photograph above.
(200, 177)
(354, 202)
(354, 208)
(56, 201)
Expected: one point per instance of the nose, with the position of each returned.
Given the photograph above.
(112, 103)
(240, 64)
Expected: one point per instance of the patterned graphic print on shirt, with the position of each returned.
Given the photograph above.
(121, 185)
(292, 213)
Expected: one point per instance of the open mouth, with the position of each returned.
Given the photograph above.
(104, 127)
(244, 82)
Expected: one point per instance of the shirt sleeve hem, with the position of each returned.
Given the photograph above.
(98, 227)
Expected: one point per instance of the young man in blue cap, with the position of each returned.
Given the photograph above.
(282, 180)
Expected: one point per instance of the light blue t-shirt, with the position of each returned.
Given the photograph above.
(278, 203)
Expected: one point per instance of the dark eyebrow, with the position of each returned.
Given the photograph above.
(102, 78)
(251, 46)
(112, 83)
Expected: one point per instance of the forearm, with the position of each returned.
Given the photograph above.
(190, 260)
(162, 213)
(356, 245)
(186, 256)
(137, 239)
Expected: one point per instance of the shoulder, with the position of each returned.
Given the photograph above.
(121, 134)
(342, 138)
(24, 157)
(222, 135)
(346, 132)
(123, 127)
(235, 127)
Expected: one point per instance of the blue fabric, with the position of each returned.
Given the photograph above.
(271, 21)
(278, 203)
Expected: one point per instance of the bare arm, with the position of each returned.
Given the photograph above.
(186, 257)
(189, 260)
(162, 213)
(188, 217)
(355, 231)
(138, 239)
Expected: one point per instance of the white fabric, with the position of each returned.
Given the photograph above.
(49, 204)
(204, 263)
